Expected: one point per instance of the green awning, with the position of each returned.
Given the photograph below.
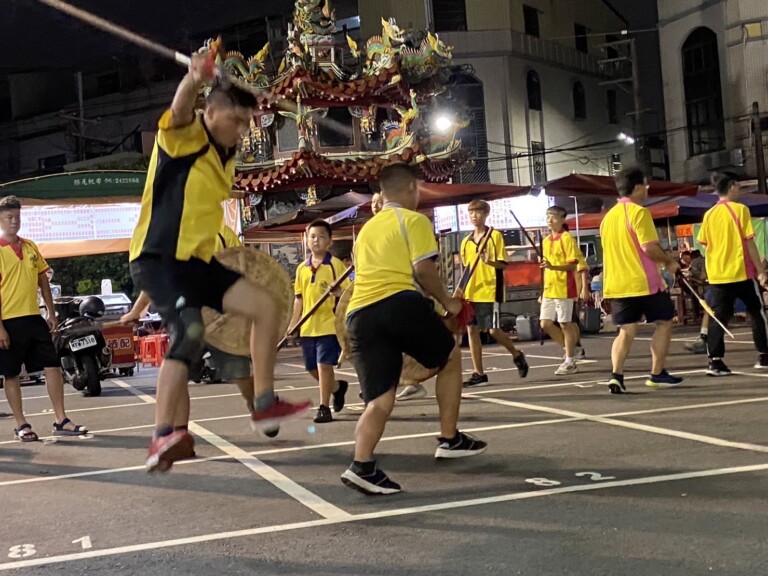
(87, 184)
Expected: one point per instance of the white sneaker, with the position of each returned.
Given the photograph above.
(566, 368)
(412, 392)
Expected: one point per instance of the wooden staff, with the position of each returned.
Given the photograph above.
(466, 275)
(317, 305)
(707, 308)
(540, 253)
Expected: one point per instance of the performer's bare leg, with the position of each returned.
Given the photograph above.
(621, 347)
(501, 337)
(660, 345)
(448, 392)
(553, 332)
(370, 426)
(570, 331)
(475, 349)
(172, 394)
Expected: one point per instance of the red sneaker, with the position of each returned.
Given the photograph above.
(166, 450)
(280, 411)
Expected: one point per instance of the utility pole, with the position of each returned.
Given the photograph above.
(626, 54)
(757, 134)
(429, 15)
(81, 115)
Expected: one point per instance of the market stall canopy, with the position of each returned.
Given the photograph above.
(432, 194)
(71, 188)
(596, 185)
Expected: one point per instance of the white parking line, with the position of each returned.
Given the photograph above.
(277, 479)
(146, 398)
(510, 497)
(631, 425)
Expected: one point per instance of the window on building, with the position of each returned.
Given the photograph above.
(467, 90)
(330, 138)
(580, 31)
(450, 15)
(287, 136)
(613, 110)
(531, 20)
(579, 101)
(538, 162)
(533, 85)
(703, 94)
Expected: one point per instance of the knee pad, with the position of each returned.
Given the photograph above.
(187, 332)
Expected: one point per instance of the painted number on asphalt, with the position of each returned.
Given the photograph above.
(595, 476)
(21, 551)
(85, 541)
(542, 482)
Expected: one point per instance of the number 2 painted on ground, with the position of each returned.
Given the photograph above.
(595, 476)
(21, 551)
(85, 541)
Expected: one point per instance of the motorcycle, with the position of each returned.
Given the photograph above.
(79, 341)
(205, 371)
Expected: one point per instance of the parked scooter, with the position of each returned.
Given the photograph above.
(84, 353)
(205, 371)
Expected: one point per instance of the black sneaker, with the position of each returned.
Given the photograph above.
(323, 415)
(718, 368)
(616, 386)
(371, 483)
(340, 395)
(476, 380)
(462, 446)
(663, 380)
(762, 362)
(522, 365)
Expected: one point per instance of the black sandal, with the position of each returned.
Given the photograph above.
(25, 433)
(59, 430)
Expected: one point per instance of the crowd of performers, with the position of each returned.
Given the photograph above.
(397, 289)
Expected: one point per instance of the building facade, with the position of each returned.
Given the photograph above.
(532, 78)
(714, 65)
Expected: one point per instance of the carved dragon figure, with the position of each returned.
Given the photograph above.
(314, 18)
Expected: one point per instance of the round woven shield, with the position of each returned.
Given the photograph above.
(413, 372)
(231, 333)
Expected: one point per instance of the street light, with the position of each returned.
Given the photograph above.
(625, 138)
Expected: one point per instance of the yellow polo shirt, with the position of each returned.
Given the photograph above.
(387, 248)
(310, 285)
(188, 178)
(724, 232)
(20, 267)
(487, 282)
(627, 270)
(560, 250)
(227, 238)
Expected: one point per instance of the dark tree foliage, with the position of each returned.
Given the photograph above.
(82, 275)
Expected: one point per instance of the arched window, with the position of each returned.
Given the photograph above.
(703, 95)
(467, 90)
(533, 85)
(579, 101)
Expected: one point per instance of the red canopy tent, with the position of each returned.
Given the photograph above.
(667, 209)
(595, 185)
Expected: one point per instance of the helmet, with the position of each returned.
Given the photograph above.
(92, 307)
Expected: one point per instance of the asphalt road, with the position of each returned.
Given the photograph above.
(575, 481)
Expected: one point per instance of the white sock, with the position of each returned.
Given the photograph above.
(704, 331)
(569, 360)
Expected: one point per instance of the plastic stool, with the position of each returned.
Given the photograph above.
(150, 350)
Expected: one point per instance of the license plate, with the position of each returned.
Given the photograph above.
(80, 343)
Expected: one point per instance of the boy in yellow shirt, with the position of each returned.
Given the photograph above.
(733, 269)
(388, 317)
(319, 344)
(485, 292)
(560, 260)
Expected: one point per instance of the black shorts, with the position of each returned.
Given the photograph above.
(654, 307)
(381, 333)
(178, 290)
(484, 318)
(31, 345)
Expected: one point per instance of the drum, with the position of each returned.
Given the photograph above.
(413, 372)
(230, 333)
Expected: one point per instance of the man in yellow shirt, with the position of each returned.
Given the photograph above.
(632, 282)
(388, 317)
(191, 172)
(485, 292)
(560, 260)
(733, 269)
(319, 344)
(25, 337)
